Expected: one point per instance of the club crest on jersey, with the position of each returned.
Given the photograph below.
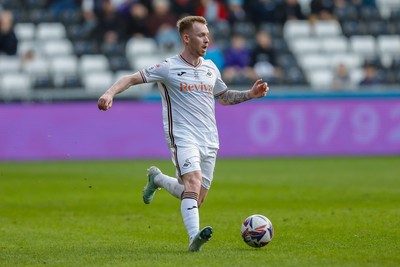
(209, 73)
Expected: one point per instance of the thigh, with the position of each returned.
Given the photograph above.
(186, 159)
(207, 164)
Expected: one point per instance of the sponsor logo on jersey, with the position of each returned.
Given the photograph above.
(198, 87)
(181, 73)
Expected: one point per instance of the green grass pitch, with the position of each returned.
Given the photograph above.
(339, 211)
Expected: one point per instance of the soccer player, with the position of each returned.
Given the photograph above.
(188, 85)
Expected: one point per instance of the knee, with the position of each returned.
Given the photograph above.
(192, 182)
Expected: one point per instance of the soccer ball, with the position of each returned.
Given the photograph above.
(257, 231)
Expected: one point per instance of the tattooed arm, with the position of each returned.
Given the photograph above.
(232, 97)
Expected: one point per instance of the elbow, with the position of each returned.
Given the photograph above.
(222, 102)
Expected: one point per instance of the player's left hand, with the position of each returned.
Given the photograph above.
(259, 89)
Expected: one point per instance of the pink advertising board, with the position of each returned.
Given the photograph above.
(133, 130)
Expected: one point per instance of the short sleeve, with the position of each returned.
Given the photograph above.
(155, 73)
(220, 86)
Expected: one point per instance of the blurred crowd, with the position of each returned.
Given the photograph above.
(113, 22)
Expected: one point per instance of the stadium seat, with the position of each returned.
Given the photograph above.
(48, 31)
(295, 28)
(97, 82)
(25, 31)
(64, 65)
(364, 45)
(337, 44)
(356, 75)
(36, 67)
(388, 44)
(9, 64)
(305, 45)
(93, 63)
(57, 47)
(387, 7)
(388, 48)
(327, 28)
(310, 62)
(25, 46)
(15, 84)
(140, 62)
(141, 46)
(350, 60)
(320, 79)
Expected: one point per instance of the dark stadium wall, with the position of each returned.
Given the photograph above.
(133, 130)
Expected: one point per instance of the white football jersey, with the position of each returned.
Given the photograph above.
(187, 93)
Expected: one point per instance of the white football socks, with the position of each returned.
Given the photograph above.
(170, 184)
(190, 213)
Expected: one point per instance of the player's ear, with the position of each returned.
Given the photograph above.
(185, 37)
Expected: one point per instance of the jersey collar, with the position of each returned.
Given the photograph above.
(190, 64)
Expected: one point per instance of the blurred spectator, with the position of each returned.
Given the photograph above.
(161, 18)
(371, 76)
(342, 79)
(237, 61)
(89, 9)
(8, 39)
(261, 10)
(263, 59)
(108, 21)
(288, 10)
(58, 6)
(135, 21)
(215, 54)
(168, 39)
(321, 10)
(236, 11)
(184, 7)
(359, 4)
(161, 25)
(212, 10)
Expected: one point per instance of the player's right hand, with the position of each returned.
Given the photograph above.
(105, 102)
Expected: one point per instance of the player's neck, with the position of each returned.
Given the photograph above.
(190, 58)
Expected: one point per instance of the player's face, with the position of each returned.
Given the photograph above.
(199, 39)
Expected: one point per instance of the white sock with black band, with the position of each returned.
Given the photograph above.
(190, 213)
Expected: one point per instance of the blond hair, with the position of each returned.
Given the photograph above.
(186, 23)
